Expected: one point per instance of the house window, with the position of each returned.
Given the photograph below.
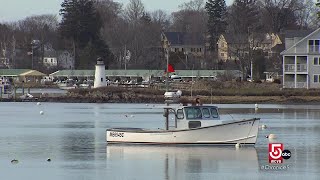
(316, 78)
(200, 50)
(222, 54)
(222, 45)
(316, 61)
(314, 45)
(182, 50)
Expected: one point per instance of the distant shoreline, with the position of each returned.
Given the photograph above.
(208, 92)
(160, 100)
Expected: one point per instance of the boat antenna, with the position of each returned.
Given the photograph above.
(231, 116)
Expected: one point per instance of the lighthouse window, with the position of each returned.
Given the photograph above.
(101, 79)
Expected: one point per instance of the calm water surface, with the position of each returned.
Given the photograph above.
(73, 136)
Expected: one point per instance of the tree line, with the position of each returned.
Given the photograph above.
(129, 35)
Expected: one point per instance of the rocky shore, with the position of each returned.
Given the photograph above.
(111, 95)
(215, 93)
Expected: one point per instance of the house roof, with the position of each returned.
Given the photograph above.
(182, 38)
(32, 73)
(297, 33)
(306, 37)
(50, 54)
(20, 72)
(142, 73)
(12, 72)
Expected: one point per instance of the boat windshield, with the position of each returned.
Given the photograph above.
(205, 113)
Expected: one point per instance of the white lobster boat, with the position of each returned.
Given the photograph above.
(196, 124)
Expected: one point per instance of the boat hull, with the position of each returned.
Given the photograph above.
(243, 132)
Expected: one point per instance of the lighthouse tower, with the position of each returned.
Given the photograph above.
(100, 74)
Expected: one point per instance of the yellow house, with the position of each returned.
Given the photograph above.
(222, 48)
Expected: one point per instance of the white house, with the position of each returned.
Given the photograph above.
(50, 59)
(301, 61)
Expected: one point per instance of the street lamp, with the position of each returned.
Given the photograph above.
(186, 54)
(31, 56)
(33, 43)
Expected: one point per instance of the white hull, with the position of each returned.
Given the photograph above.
(244, 132)
(66, 87)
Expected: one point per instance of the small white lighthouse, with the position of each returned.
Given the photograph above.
(100, 74)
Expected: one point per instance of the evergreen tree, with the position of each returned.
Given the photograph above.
(81, 23)
(244, 15)
(217, 11)
(318, 5)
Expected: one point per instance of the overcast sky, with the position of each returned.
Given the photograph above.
(12, 10)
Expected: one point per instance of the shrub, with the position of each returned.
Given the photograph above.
(277, 81)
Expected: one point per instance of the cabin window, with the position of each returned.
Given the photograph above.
(193, 113)
(214, 113)
(206, 113)
(180, 114)
(101, 79)
(194, 124)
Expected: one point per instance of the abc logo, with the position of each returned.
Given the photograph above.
(286, 154)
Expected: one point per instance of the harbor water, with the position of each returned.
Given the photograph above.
(67, 142)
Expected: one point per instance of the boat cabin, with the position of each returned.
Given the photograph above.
(189, 117)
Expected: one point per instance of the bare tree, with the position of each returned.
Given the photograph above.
(134, 11)
(305, 15)
(161, 18)
(191, 17)
(281, 14)
(195, 5)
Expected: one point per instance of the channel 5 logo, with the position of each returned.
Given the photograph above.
(277, 154)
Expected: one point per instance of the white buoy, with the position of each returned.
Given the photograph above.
(256, 107)
(272, 136)
(49, 160)
(132, 116)
(41, 113)
(238, 145)
(147, 104)
(14, 161)
(38, 103)
(264, 126)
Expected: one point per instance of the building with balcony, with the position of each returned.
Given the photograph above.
(301, 60)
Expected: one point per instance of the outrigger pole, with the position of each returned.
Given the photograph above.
(166, 44)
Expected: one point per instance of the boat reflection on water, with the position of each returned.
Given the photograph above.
(182, 162)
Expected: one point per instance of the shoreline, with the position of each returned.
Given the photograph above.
(160, 100)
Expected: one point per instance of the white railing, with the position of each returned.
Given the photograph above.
(301, 85)
(292, 68)
(301, 67)
(289, 85)
(289, 68)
